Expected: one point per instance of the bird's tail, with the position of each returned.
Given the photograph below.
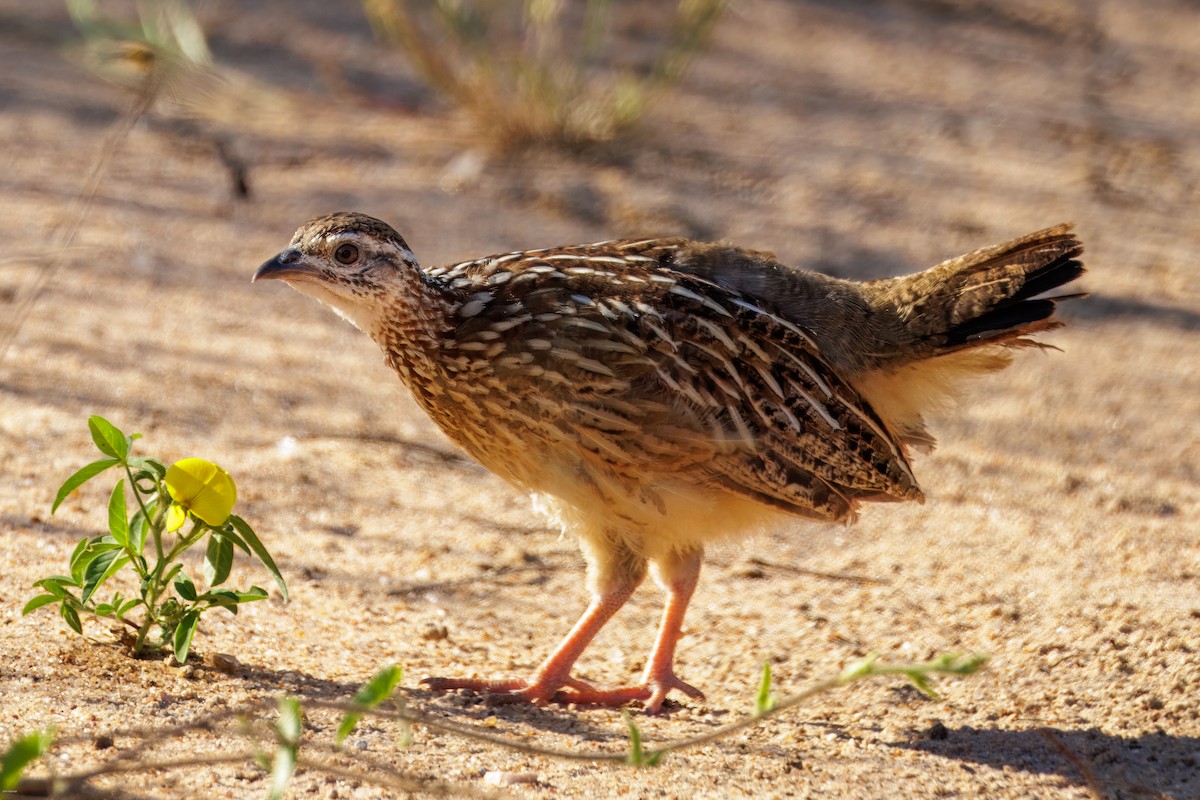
(961, 318)
(990, 296)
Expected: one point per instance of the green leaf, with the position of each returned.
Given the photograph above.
(289, 726)
(20, 754)
(859, 669)
(108, 438)
(962, 663)
(78, 562)
(373, 692)
(81, 477)
(113, 568)
(184, 632)
(185, 587)
(764, 701)
(222, 598)
(138, 527)
(100, 569)
(252, 539)
(281, 772)
(82, 560)
(104, 610)
(171, 573)
(227, 530)
(637, 756)
(218, 559)
(71, 616)
(290, 720)
(38, 602)
(923, 683)
(152, 467)
(118, 519)
(227, 598)
(55, 584)
(127, 606)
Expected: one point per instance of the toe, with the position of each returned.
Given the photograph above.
(661, 686)
(480, 685)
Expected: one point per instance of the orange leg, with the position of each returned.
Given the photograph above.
(679, 576)
(553, 682)
(555, 672)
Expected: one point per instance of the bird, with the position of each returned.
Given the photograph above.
(656, 395)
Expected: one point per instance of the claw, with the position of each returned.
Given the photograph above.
(661, 685)
(538, 691)
(477, 685)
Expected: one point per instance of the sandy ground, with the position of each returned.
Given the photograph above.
(864, 139)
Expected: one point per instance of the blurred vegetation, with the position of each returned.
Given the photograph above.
(548, 70)
(166, 34)
(565, 72)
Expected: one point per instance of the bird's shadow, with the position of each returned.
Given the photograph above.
(1149, 765)
(465, 710)
(475, 710)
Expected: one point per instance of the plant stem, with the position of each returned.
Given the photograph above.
(154, 583)
(186, 541)
(143, 630)
(137, 495)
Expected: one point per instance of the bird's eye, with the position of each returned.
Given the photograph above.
(346, 254)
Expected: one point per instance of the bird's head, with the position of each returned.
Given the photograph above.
(350, 261)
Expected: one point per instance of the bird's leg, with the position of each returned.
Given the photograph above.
(614, 581)
(679, 579)
(678, 574)
(555, 671)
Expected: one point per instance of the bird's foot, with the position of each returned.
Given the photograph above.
(651, 693)
(541, 690)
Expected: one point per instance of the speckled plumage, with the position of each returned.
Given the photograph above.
(658, 393)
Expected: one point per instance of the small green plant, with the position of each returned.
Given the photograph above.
(374, 692)
(176, 508)
(543, 70)
(764, 701)
(638, 756)
(20, 754)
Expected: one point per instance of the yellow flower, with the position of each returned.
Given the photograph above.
(200, 488)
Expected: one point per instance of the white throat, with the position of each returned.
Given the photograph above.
(363, 316)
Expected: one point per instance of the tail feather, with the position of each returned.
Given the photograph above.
(991, 296)
(960, 320)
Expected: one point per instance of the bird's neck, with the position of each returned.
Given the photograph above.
(412, 326)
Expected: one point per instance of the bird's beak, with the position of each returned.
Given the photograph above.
(288, 265)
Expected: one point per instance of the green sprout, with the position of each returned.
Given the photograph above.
(20, 754)
(374, 692)
(764, 701)
(151, 542)
(638, 755)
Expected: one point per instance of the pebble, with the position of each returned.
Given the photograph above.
(223, 662)
(435, 633)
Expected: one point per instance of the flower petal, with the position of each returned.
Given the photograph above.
(202, 488)
(176, 516)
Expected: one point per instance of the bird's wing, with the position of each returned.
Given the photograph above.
(683, 371)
